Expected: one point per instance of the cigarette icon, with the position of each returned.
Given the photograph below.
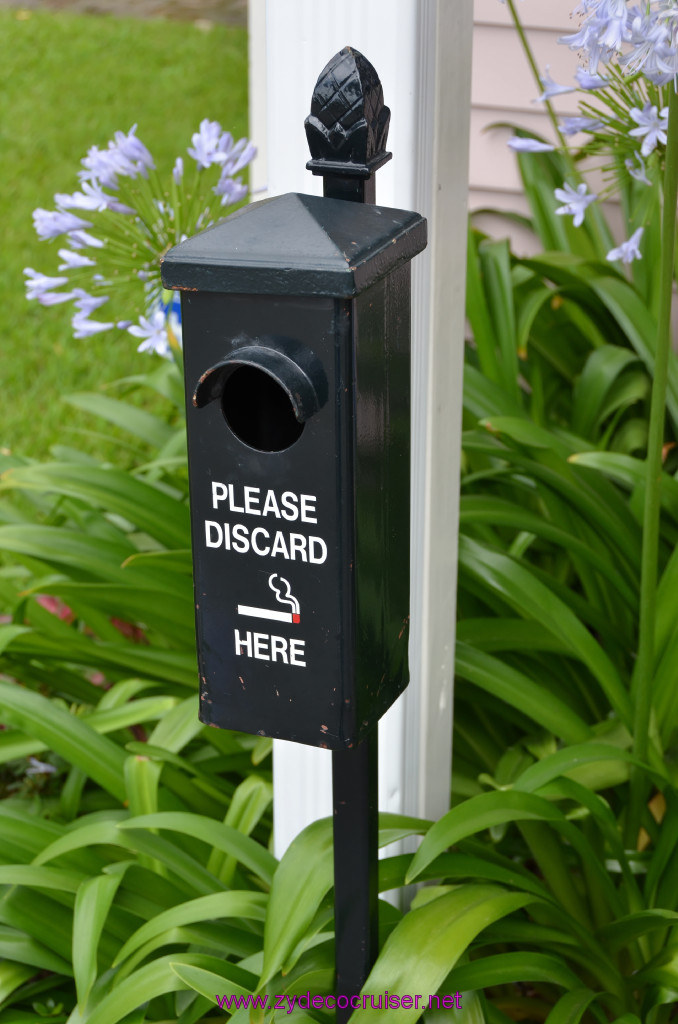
(283, 595)
(267, 613)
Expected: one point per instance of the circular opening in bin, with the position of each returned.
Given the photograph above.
(259, 411)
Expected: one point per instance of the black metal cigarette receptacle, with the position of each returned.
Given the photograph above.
(296, 328)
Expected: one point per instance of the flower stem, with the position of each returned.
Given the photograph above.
(643, 675)
(537, 77)
(593, 220)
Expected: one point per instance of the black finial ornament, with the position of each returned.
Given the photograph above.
(348, 126)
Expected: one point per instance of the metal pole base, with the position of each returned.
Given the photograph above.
(354, 784)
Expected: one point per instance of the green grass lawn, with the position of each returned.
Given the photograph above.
(68, 82)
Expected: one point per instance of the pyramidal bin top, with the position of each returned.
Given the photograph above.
(297, 245)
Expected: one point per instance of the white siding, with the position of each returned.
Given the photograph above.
(504, 90)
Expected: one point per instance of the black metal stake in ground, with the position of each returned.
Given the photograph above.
(356, 923)
(296, 328)
(347, 130)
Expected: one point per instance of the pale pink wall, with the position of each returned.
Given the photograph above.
(503, 89)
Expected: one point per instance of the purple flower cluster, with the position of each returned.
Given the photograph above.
(212, 145)
(638, 36)
(124, 156)
(641, 36)
(120, 221)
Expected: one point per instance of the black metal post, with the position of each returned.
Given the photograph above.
(355, 795)
(354, 785)
(346, 132)
(353, 189)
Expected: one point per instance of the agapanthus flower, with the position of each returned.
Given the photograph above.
(587, 39)
(153, 332)
(106, 166)
(641, 38)
(72, 260)
(629, 250)
(551, 88)
(590, 82)
(92, 197)
(52, 223)
(38, 285)
(603, 33)
(54, 298)
(238, 156)
(574, 201)
(527, 145)
(83, 240)
(210, 144)
(650, 46)
(83, 327)
(230, 191)
(102, 250)
(86, 303)
(133, 149)
(637, 171)
(652, 127)
(36, 767)
(573, 125)
(78, 201)
(102, 165)
(611, 24)
(125, 156)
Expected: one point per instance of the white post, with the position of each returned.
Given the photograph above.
(421, 50)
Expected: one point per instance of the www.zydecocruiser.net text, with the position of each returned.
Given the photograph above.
(380, 1001)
